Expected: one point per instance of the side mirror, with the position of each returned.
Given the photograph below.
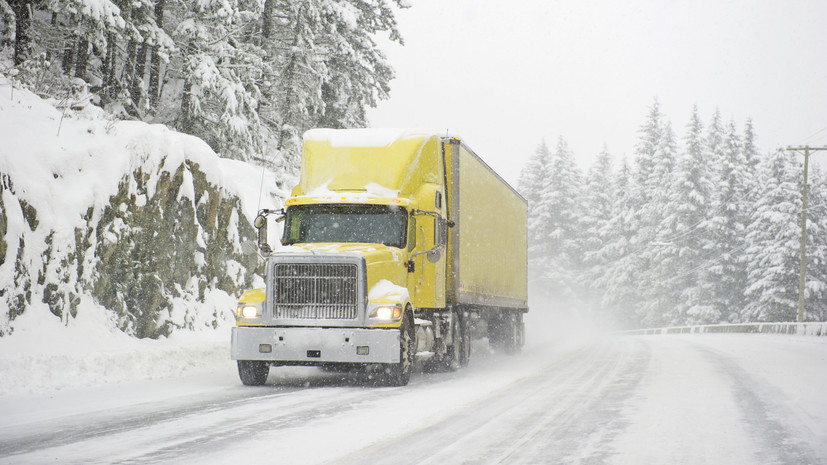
(261, 227)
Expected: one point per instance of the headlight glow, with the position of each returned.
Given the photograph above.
(248, 311)
(384, 313)
(387, 313)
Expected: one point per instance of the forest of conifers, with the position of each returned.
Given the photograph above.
(248, 77)
(696, 228)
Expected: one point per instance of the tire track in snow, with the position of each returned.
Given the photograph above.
(165, 431)
(537, 419)
(760, 406)
(582, 432)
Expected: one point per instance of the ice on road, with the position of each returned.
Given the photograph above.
(677, 399)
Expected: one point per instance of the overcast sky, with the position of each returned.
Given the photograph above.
(506, 75)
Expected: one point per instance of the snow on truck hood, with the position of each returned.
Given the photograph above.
(369, 251)
(373, 193)
(385, 289)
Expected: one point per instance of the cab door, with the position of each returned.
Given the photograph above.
(427, 275)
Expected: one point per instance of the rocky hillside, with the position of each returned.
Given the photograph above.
(133, 218)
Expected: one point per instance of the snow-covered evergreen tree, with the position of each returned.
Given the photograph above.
(598, 203)
(531, 184)
(655, 158)
(715, 135)
(815, 308)
(358, 73)
(327, 68)
(730, 207)
(552, 184)
(84, 24)
(619, 278)
(562, 197)
(684, 230)
(751, 158)
(773, 238)
(219, 74)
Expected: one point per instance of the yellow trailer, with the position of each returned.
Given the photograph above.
(394, 244)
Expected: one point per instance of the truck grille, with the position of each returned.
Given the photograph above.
(316, 291)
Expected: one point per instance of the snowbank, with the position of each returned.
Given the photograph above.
(45, 356)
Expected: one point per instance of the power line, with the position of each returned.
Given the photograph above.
(807, 139)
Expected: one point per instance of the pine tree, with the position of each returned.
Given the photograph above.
(84, 24)
(684, 230)
(531, 184)
(654, 165)
(327, 67)
(598, 202)
(751, 157)
(221, 93)
(815, 308)
(619, 256)
(727, 273)
(562, 196)
(358, 74)
(773, 238)
(715, 139)
(659, 299)
(555, 248)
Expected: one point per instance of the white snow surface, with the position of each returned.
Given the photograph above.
(372, 191)
(49, 155)
(677, 399)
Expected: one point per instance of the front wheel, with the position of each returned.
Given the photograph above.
(253, 372)
(398, 374)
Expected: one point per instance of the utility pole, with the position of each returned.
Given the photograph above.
(803, 258)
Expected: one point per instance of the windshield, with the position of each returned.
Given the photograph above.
(373, 224)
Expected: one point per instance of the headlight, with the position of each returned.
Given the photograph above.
(387, 312)
(248, 311)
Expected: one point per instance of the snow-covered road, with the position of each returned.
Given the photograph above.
(682, 399)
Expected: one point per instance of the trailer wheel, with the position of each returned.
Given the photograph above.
(253, 372)
(505, 333)
(398, 374)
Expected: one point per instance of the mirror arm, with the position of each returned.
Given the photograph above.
(434, 253)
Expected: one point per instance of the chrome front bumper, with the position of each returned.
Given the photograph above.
(315, 345)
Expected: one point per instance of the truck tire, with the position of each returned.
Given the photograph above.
(398, 374)
(253, 372)
(449, 360)
(505, 333)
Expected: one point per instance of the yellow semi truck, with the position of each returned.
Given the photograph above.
(394, 244)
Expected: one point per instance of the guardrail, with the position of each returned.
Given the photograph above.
(800, 329)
